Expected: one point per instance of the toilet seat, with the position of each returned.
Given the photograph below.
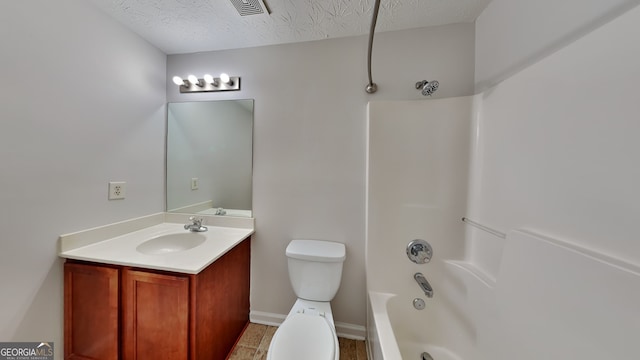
(302, 336)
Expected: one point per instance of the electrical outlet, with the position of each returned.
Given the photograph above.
(117, 190)
(194, 183)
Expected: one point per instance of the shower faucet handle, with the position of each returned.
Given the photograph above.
(419, 251)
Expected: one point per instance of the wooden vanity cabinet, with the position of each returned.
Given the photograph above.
(155, 315)
(91, 311)
(130, 313)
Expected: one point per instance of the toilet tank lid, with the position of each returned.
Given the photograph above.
(316, 250)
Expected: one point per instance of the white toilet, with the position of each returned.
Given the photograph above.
(308, 332)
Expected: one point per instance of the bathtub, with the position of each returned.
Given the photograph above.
(397, 331)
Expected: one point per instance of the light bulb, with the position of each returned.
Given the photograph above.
(193, 79)
(225, 78)
(208, 79)
(178, 80)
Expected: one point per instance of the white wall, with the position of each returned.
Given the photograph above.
(309, 139)
(513, 34)
(558, 147)
(81, 104)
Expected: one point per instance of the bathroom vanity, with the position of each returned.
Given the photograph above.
(148, 288)
(120, 303)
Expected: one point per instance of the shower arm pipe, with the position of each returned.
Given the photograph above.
(485, 228)
(371, 86)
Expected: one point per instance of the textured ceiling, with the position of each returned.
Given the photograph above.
(187, 26)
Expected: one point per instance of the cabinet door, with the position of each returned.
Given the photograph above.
(221, 301)
(155, 316)
(90, 312)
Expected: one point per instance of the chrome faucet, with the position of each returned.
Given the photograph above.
(196, 225)
(424, 284)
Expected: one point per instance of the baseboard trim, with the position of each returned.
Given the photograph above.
(265, 318)
(344, 330)
(351, 331)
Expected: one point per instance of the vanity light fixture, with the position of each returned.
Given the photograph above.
(224, 77)
(193, 80)
(178, 81)
(208, 83)
(208, 79)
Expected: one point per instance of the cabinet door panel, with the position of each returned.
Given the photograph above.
(155, 316)
(90, 312)
(222, 303)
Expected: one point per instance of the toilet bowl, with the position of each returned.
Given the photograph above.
(308, 332)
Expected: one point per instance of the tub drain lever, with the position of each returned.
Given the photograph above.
(424, 284)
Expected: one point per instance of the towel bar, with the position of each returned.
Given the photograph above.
(485, 228)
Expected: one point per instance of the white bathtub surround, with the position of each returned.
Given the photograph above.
(417, 170)
(417, 166)
(579, 303)
(551, 154)
(501, 54)
(555, 155)
(117, 243)
(548, 292)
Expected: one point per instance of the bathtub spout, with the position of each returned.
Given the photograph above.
(424, 284)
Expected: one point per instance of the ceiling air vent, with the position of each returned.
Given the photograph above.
(250, 7)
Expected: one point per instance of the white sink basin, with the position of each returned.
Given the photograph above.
(171, 243)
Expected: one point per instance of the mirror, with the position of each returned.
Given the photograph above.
(210, 157)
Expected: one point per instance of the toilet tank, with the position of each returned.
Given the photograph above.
(315, 268)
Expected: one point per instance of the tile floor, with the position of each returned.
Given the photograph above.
(254, 343)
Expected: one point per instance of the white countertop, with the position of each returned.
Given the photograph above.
(121, 250)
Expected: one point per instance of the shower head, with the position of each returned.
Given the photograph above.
(428, 87)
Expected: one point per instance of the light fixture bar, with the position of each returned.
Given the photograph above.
(217, 85)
